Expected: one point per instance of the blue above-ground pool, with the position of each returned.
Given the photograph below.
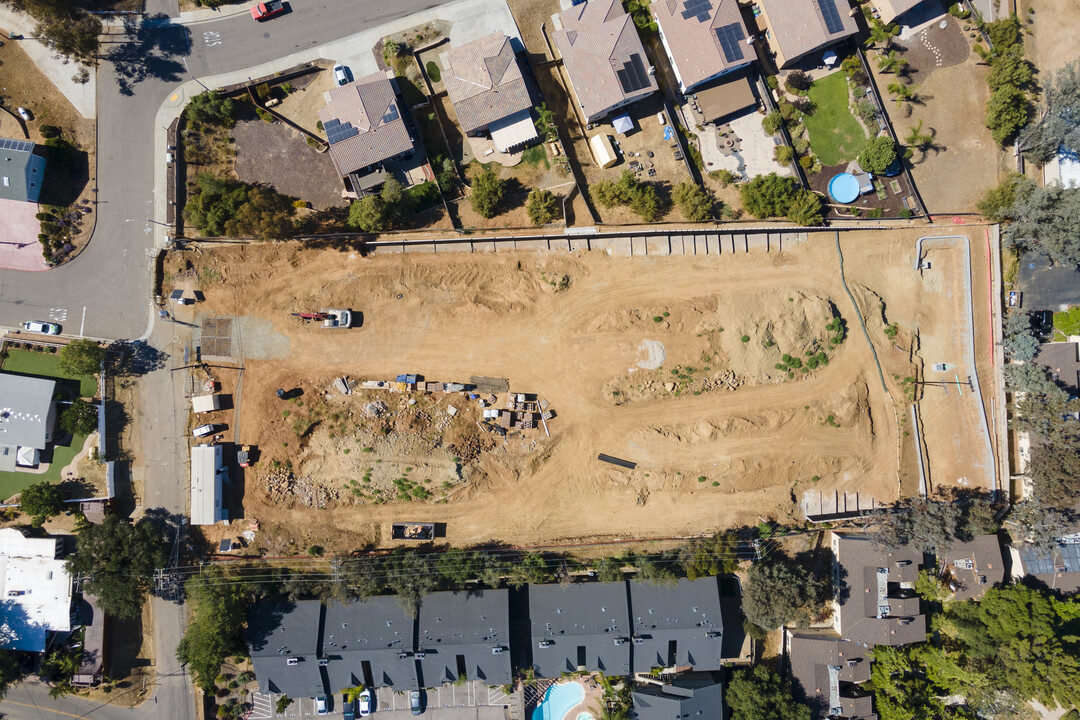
(844, 188)
(558, 700)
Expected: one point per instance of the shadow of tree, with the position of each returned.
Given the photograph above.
(139, 358)
(151, 51)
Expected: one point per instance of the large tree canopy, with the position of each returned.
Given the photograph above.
(779, 591)
(1045, 219)
(219, 605)
(760, 694)
(1058, 125)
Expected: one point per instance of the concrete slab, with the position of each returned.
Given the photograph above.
(19, 228)
(739, 242)
(579, 243)
(712, 244)
(658, 245)
(483, 246)
(757, 241)
(637, 246)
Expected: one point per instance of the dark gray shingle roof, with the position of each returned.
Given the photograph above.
(827, 673)
(687, 615)
(377, 631)
(467, 624)
(580, 623)
(19, 169)
(678, 701)
(283, 639)
(976, 566)
(25, 403)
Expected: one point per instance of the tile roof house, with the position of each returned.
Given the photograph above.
(829, 674)
(799, 27)
(679, 700)
(376, 636)
(581, 626)
(283, 639)
(874, 599)
(889, 10)
(704, 39)
(678, 627)
(27, 417)
(975, 566)
(364, 127)
(35, 589)
(1057, 568)
(603, 57)
(485, 85)
(465, 631)
(21, 171)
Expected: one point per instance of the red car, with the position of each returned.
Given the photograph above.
(262, 11)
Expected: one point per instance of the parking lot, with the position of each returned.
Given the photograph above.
(471, 701)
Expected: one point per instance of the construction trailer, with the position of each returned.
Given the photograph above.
(412, 531)
(205, 403)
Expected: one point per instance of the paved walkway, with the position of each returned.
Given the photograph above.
(84, 96)
(19, 228)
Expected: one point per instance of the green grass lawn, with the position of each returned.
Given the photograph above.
(14, 482)
(1066, 323)
(26, 362)
(836, 135)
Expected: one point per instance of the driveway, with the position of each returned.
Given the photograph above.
(19, 228)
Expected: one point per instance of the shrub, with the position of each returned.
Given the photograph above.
(805, 209)
(49, 131)
(693, 201)
(646, 203)
(875, 213)
(1007, 111)
(80, 418)
(768, 195)
(433, 71)
(878, 154)
(783, 154)
(773, 81)
(262, 90)
(487, 193)
(724, 177)
(957, 12)
(798, 82)
(390, 51)
(905, 213)
(807, 161)
(264, 115)
(772, 122)
(542, 207)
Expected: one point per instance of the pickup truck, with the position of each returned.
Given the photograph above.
(265, 10)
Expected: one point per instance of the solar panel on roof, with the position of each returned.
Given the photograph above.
(391, 114)
(336, 131)
(731, 37)
(831, 15)
(20, 145)
(697, 9)
(633, 76)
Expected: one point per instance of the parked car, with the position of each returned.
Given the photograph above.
(416, 702)
(265, 10)
(341, 74)
(204, 430)
(45, 328)
(365, 703)
(25, 114)
(320, 705)
(348, 708)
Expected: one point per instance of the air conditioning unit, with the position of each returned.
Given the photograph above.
(619, 641)
(545, 643)
(323, 662)
(292, 661)
(906, 621)
(421, 656)
(496, 651)
(639, 641)
(712, 635)
(403, 656)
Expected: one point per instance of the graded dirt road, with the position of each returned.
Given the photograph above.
(721, 436)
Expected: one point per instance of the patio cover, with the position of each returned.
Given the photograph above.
(28, 457)
(731, 95)
(623, 124)
(512, 131)
(830, 58)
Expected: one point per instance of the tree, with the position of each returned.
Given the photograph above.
(368, 214)
(1020, 343)
(118, 560)
(487, 193)
(773, 122)
(222, 206)
(1054, 470)
(881, 35)
(931, 527)
(705, 557)
(919, 140)
(1058, 125)
(900, 92)
(80, 418)
(542, 207)
(806, 209)
(998, 202)
(798, 81)
(778, 592)
(545, 123)
(219, 603)
(1039, 525)
(1045, 220)
(609, 194)
(1009, 68)
(609, 569)
(211, 108)
(81, 357)
(759, 694)
(646, 203)
(768, 195)
(878, 154)
(64, 27)
(41, 501)
(783, 154)
(693, 201)
(1007, 111)
(11, 672)
(891, 62)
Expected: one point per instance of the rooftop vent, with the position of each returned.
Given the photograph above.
(292, 661)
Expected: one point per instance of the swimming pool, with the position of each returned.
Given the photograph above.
(558, 700)
(844, 188)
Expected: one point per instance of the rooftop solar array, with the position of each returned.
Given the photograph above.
(699, 9)
(731, 37)
(633, 76)
(18, 145)
(336, 131)
(391, 114)
(1066, 555)
(830, 15)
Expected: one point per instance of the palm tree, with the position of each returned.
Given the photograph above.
(891, 62)
(919, 140)
(879, 35)
(901, 92)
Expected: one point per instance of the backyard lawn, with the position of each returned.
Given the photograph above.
(836, 135)
(1066, 323)
(27, 362)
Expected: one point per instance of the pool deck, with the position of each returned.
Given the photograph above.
(593, 701)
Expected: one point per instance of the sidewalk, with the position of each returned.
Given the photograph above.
(82, 97)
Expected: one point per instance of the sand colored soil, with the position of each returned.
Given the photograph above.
(670, 363)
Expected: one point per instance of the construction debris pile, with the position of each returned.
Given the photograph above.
(281, 484)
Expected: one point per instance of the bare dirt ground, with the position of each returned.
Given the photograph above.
(669, 363)
(1053, 42)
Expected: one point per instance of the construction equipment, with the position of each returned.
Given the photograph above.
(243, 456)
(329, 317)
(412, 531)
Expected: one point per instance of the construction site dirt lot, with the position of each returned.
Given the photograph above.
(727, 379)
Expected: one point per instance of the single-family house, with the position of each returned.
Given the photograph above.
(27, 417)
(35, 591)
(830, 675)
(485, 85)
(208, 476)
(874, 599)
(680, 627)
(21, 171)
(465, 635)
(889, 10)
(1062, 359)
(1057, 567)
(365, 129)
(603, 57)
(283, 640)
(704, 39)
(685, 698)
(797, 28)
(583, 626)
(974, 567)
